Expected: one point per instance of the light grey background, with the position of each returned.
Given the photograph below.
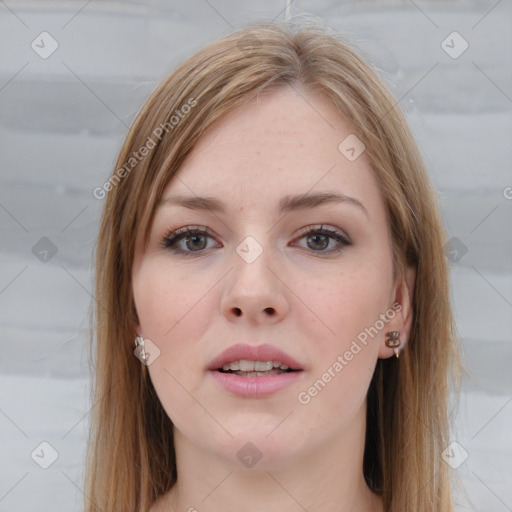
(62, 121)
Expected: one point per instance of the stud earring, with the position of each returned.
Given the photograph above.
(393, 341)
(140, 350)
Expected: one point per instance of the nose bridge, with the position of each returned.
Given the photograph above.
(252, 260)
(253, 288)
(250, 249)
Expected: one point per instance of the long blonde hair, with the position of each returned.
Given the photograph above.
(131, 458)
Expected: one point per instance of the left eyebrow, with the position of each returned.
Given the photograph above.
(286, 204)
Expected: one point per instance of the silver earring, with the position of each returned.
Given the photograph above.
(393, 341)
(140, 349)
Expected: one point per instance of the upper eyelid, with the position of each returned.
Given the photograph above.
(321, 227)
(183, 231)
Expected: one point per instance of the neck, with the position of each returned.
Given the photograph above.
(326, 478)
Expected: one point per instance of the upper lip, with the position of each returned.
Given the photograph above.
(264, 352)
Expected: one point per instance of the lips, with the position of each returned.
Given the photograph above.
(264, 352)
(254, 385)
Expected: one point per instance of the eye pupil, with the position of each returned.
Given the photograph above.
(195, 237)
(325, 240)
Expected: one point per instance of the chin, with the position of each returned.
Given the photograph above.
(260, 448)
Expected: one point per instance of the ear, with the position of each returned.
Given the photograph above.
(137, 329)
(136, 322)
(402, 321)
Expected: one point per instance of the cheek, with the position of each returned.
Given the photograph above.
(168, 301)
(173, 317)
(174, 314)
(346, 303)
(345, 354)
(350, 306)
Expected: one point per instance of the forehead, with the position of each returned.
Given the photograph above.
(282, 141)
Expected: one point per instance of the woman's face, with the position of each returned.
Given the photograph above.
(272, 264)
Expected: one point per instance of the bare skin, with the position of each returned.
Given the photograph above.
(300, 295)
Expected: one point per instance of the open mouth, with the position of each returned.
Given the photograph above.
(262, 375)
(245, 368)
(256, 374)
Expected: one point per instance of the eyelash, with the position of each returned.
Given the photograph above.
(173, 237)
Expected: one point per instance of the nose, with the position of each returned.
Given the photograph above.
(253, 291)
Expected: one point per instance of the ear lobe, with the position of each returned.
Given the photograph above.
(402, 321)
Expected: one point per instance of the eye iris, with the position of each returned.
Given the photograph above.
(195, 237)
(325, 240)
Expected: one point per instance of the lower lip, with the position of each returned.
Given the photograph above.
(255, 387)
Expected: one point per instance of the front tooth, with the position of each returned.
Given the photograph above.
(261, 366)
(246, 366)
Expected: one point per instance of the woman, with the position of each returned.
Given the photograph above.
(274, 328)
